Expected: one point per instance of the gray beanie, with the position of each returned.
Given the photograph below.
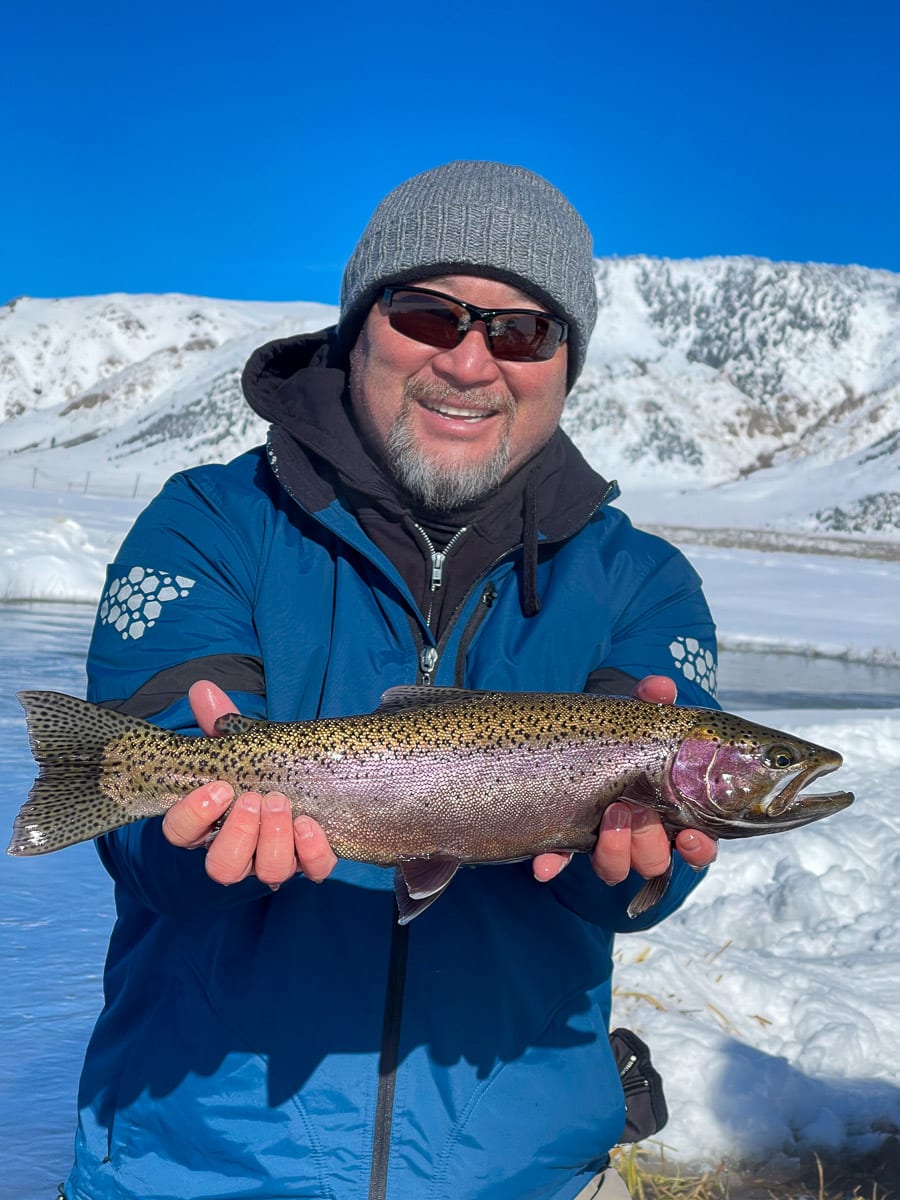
(478, 218)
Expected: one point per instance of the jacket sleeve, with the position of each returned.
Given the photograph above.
(660, 621)
(177, 607)
(179, 594)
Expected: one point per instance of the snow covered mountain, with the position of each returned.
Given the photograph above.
(727, 391)
(120, 387)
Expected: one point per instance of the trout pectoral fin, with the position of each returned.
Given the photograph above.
(651, 893)
(419, 882)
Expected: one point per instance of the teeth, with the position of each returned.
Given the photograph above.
(467, 414)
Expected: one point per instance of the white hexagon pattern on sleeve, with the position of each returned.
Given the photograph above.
(694, 663)
(133, 602)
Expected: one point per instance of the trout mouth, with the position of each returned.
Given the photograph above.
(790, 804)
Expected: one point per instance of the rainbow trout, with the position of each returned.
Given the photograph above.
(434, 777)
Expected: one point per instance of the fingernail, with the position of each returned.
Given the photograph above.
(273, 887)
(641, 818)
(250, 801)
(303, 827)
(619, 816)
(221, 794)
(275, 802)
(688, 841)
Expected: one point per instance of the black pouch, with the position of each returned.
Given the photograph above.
(645, 1103)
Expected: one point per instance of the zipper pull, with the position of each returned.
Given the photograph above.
(427, 662)
(438, 558)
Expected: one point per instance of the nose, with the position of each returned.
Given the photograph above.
(470, 363)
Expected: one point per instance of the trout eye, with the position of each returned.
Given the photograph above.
(780, 756)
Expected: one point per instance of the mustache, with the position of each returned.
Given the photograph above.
(476, 399)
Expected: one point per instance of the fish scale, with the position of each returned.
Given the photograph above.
(434, 778)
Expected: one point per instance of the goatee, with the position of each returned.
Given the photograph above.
(439, 487)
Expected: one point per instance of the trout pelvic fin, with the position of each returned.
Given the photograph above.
(69, 740)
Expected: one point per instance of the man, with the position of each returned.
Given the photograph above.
(416, 516)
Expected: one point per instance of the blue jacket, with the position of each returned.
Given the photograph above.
(259, 1044)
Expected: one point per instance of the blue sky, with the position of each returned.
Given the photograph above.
(238, 150)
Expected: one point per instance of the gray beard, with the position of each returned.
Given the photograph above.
(436, 487)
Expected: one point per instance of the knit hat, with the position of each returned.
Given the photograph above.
(478, 218)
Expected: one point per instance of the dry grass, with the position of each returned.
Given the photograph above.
(648, 1176)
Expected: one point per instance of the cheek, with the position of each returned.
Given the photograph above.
(537, 413)
(376, 388)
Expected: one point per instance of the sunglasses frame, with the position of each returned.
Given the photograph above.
(474, 313)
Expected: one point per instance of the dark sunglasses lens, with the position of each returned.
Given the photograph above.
(524, 337)
(425, 319)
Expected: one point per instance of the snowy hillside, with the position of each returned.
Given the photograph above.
(776, 384)
(116, 392)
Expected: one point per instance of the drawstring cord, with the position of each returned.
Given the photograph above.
(531, 601)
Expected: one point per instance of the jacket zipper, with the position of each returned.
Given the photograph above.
(438, 558)
(429, 656)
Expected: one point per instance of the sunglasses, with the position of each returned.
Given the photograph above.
(513, 334)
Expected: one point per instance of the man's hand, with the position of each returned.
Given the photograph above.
(258, 836)
(633, 837)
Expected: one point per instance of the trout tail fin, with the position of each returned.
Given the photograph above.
(70, 740)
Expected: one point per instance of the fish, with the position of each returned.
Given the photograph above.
(434, 778)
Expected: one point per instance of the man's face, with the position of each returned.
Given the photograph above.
(452, 424)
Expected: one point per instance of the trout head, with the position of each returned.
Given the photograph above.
(732, 778)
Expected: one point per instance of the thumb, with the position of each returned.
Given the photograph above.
(656, 689)
(208, 703)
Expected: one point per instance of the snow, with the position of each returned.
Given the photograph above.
(803, 603)
(772, 995)
(55, 545)
(771, 999)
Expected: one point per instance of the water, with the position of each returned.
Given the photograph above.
(57, 911)
(752, 681)
(54, 923)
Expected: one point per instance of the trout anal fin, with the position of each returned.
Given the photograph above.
(651, 893)
(419, 882)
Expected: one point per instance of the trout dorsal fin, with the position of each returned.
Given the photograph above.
(396, 699)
